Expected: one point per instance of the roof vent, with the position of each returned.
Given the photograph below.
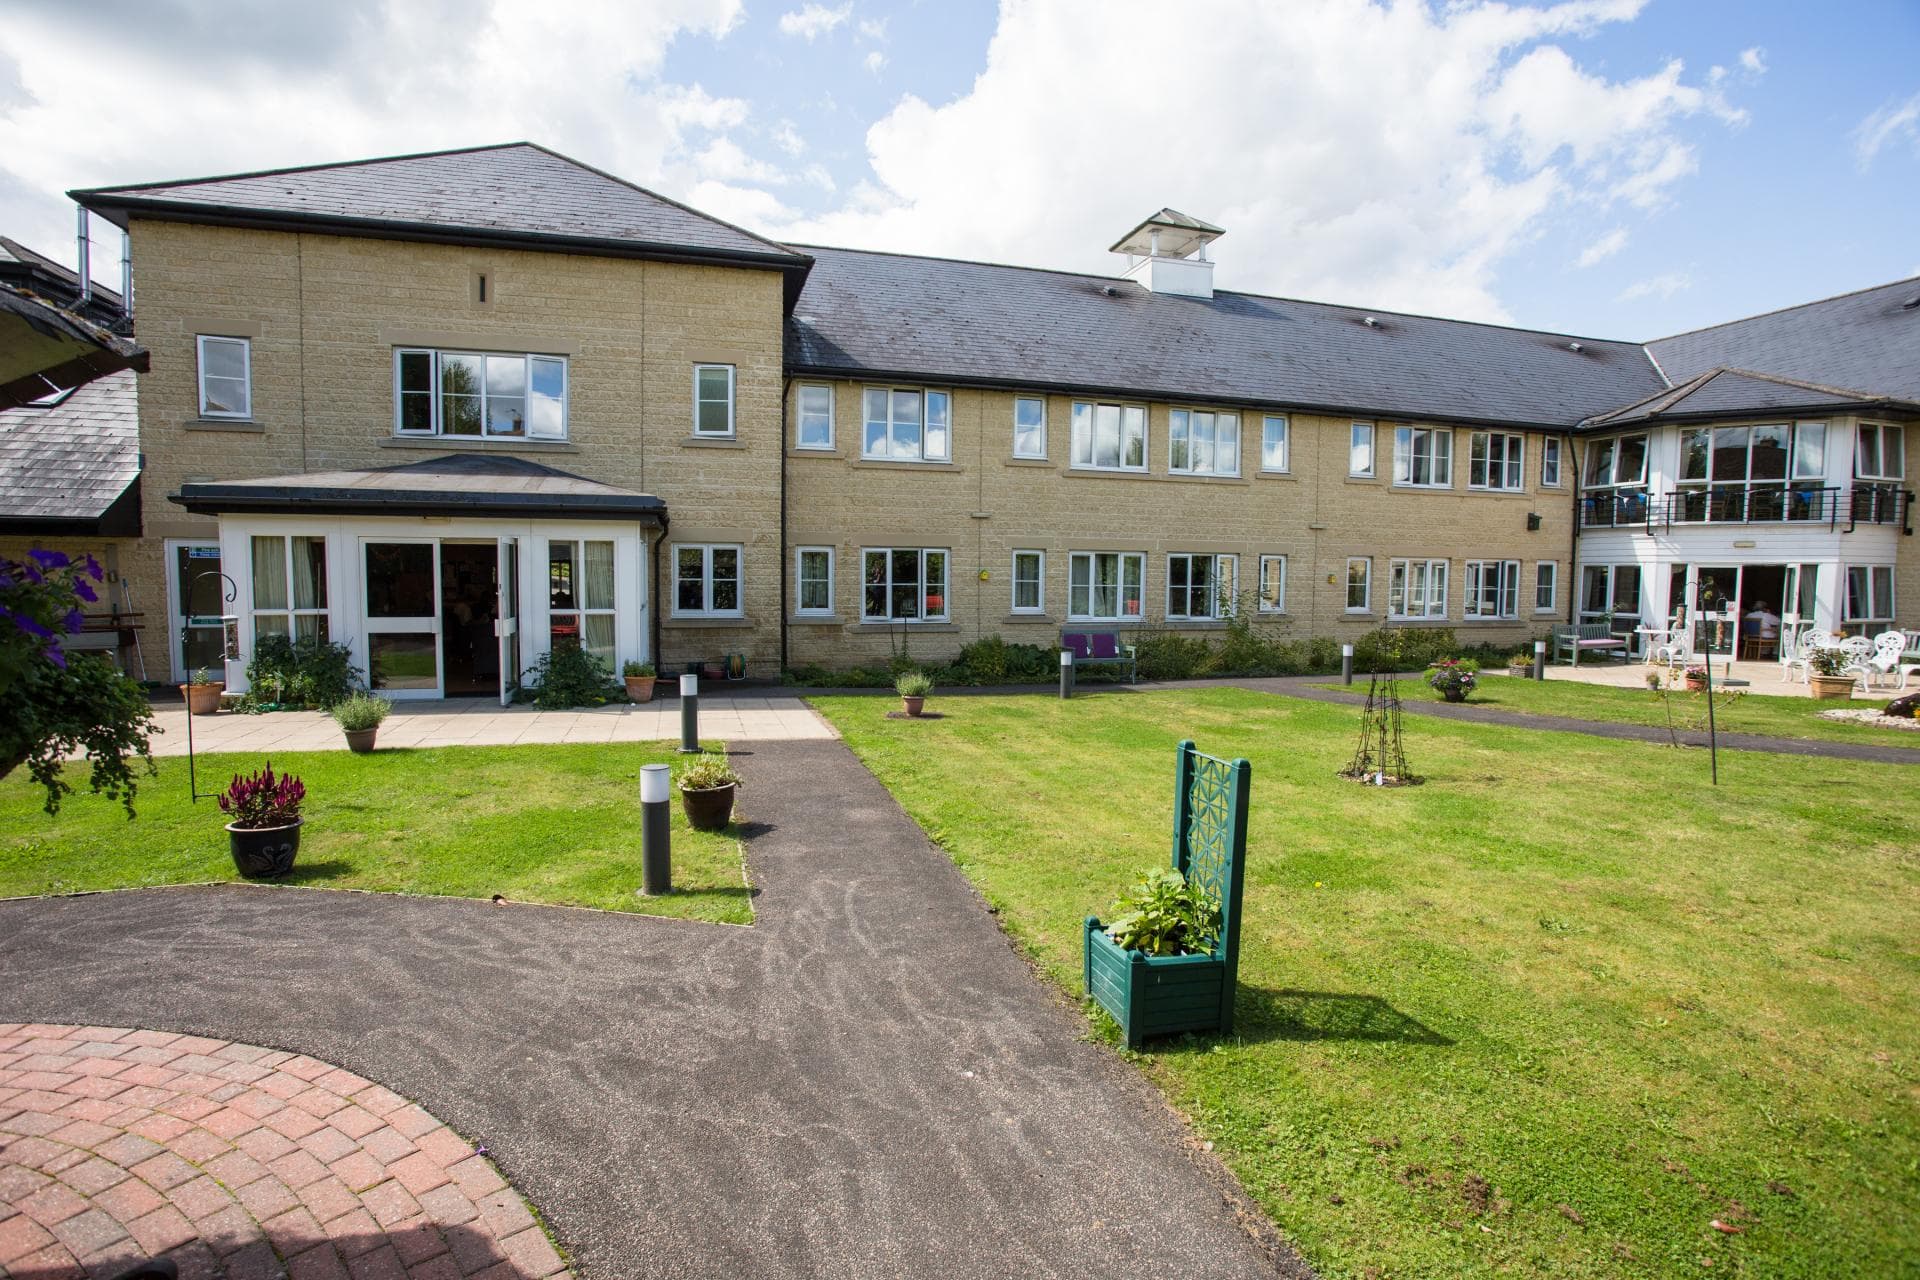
(1370, 322)
(1576, 346)
(1167, 253)
(1109, 290)
(1911, 303)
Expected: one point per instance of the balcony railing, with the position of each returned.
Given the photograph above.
(1834, 506)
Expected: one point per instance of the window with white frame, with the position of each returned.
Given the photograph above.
(903, 584)
(1423, 457)
(1870, 594)
(1276, 443)
(1029, 427)
(1614, 482)
(1029, 582)
(226, 376)
(1492, 589)
(706, 580)
(290, 587)
(1202, 443)
(1106, 586)
(1496, 460)
(1611, 593)
(1359, 584)
(1546, 586)
(907, 424)
(813, 581)
(1109, 437)
(1273, 584)
(814, 429)
(580, 595)
(713, 399)
(1551, 449)
(1417, 589)
(473, 393)
(1201, 587)
(1879, 452)
(1360, 449)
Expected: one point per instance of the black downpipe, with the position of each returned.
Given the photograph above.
(780, 449)
(659, 551)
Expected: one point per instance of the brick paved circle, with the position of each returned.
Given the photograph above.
(237, 1161)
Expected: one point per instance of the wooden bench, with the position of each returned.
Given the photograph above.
(1587, 637)
(1097, 649)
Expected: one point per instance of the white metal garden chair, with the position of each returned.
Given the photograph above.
(1884, 662)
(1857, 650)
(1795, 659)
(1674, 647)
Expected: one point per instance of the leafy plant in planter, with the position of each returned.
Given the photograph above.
(202, 692)
(1519, 664)
(1453, 679)
(569, 676)
(913, 687)
(359, 717)
(639, 678)
(1163, 915)
(1826, 674)
(707, 787)
(1696, 677)
(264, 834)
(309, 672)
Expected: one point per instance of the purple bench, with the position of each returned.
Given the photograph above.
(1098, 649)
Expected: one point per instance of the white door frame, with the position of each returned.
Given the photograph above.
(410, 625)
(176, 621)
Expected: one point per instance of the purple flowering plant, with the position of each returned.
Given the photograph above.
(263, 799)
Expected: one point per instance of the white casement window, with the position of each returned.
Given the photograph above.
(1109, 437)
(226, 377)
(1201, 587)
(1029, 427)
(580, 596)
(1203, 444)
(907, 424)
(1809, 451)
(1618, 461)
(1551, 448)
(1106, 586)
(469, 393)
(1359, 584)
(290, 587)
(1492, 590)
(1276, 443)
(713, 400)
(1273, 584)
(1879, 452)
(1611, 593)
(1360, 449)
(903, 584)
(706, 580)
(1423, 457)
(1417, 589)
(1546, 586)
(1496, 460)
(1029, 582)
(815, 427)
(813, 581)
(1870, 594)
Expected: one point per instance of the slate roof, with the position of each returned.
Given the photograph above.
(45, 346)
(893, 315)
(1723, 393)
(71, 461)
(24, 267)
(488, 484)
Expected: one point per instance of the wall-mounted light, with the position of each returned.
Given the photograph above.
(1533, 521)
(984, 575)
(1332, 579)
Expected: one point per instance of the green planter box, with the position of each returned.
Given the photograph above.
(1155, 995)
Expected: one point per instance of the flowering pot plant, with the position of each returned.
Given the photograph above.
(1696, 677)
(1453, 678)
(264, 834)
(707, 786)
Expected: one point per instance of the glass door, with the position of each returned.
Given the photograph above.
(199, 598)
(403, 617)
(1717, 594)
(507, 621)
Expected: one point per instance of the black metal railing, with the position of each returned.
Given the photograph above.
(1834, 506)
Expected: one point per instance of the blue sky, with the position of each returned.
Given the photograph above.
(1625, 168)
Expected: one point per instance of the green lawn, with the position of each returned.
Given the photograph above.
(1755, 711)
(1553, 1012)
(556, 824)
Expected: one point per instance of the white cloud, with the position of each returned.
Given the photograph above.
(787, 137)
(1754, 60)
(873, 28)
(1603, 248)
(1887, 126)
(722, 160)
(1662, 286)
(875, 61)
(814, 20)
(1447, 140)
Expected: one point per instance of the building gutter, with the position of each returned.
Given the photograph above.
(786, 390)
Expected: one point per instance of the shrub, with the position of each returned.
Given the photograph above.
(1163, 915)
(263, 800)
(707, 771)
(1168, 655)
(638, 670)
(1403, 649)
(308, 672)
(569, 676)
(361, 711)
(913, 684)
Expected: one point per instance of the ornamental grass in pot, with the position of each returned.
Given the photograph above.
(707, 787)
(202, 693)
(264, 834)
(639, 678)
(913, 687)
(359, 717)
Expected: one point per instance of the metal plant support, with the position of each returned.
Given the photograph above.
(1380, 757)
(229, 652)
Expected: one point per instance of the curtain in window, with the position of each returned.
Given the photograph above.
(597, 635)
(309, 573)
(269, 573)
(597, 576)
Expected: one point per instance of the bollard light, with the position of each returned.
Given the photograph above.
(656, 826)
(1539, 659)
(1346, 664)
(1066, 673)
(689, 714)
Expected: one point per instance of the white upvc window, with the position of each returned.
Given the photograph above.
(1029, 582)
(1359, 584)
(907, 424)
(1880, 452)
(1273, 584)
(1203, 443)
(226, 376)
(1276, 443)
(478, 393)
(1417, 589)
(1492, 590)
(1870, 594)
(290, 587)
(713, 399)
(1360, 449)
(813, 581)
(1109, 437)
(1423, 457)
(1496, 460)
(581, 595)
(1201, 588)
(1809, 451)
(706, 580)
(1552, 448)
(1546, 586)
(814, 429)
(903, 584)
(1106, 586)
(1029, 427)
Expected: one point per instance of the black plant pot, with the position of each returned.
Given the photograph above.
(709, 808)
(263, 853)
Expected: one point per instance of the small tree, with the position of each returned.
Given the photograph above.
(58, 703)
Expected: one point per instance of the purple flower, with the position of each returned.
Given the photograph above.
(94, 570)
(50, 559)
(31, 626)
(74, 620)
(85, 592)
(56, 655)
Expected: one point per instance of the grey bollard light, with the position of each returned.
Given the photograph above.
(1066, 673)
(656, 826)
(689, 714)
(1539, 659)
(1346, 664)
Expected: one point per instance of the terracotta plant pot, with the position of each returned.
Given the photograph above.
(913, 705)
(202, 699)
(263, 853)
(1696, 684)
(708, 809)
(639, 688)
(360, 740)
(1829, 688)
